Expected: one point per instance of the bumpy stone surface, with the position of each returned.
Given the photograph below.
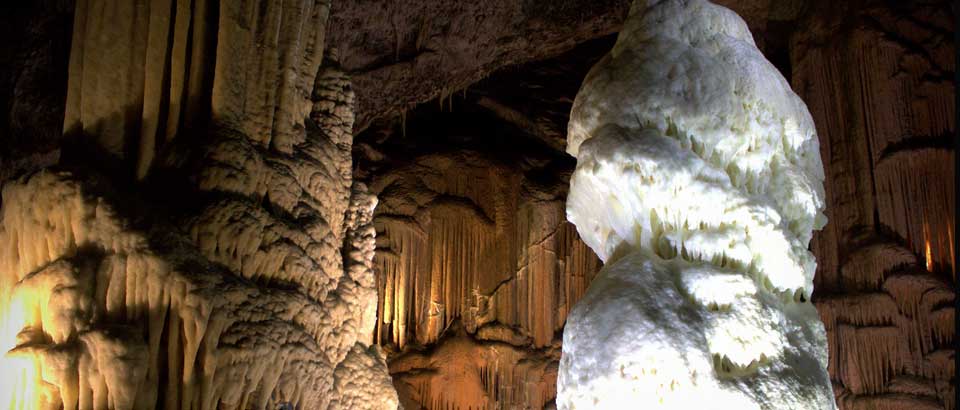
(477, 266)
(405, 53)
(877, 77)
(879, 84)
(699, 183)
(245, 280)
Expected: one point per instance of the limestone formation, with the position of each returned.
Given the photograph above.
(699, 183)
(879, 84)
(182, 224)
(242, 277)
(477, 265)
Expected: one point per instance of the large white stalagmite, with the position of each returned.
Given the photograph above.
(698, 182)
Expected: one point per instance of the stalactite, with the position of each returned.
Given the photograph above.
(917, 296)
(259, 292)
(913, 306)
(460, 245)
(916, 198)
(880, 94)
(398, 264)
(870, 355)
(892, 401)
(475, 257)
(867, 266)
(870, 309)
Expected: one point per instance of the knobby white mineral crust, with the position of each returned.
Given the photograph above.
(699, 183)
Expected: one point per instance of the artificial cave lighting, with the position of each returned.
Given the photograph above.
(699, 183)
(477, 205)
(262, 294)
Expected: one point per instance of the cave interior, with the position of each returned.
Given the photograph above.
(362, 204)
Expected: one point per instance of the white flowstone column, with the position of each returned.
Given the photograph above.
(699, 183)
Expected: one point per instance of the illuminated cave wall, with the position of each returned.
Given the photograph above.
(477, 267)
(888, 348)
(879, 83)
(468, 245)
(200, 243)
(876, 76)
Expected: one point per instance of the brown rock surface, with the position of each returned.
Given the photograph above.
(201, 243)
(402, 53)
(878, 81)
(475, 267)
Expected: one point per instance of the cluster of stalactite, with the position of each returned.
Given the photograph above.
(474, 260)
(882, 95)
(255, 289)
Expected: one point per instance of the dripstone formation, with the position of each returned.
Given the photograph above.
(216, 253)
(311, 204)
(699, 183)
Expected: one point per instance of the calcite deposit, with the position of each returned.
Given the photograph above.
(477, 270)
(297, 203)
(879, 82)
(699, 183)
(241, 277)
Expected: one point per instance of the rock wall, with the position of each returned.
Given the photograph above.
(460, 242)
(201, 243)
(33, 66)
(879, 83)
(875, 76)
(404, 53)
(535, 115)
(477, 268)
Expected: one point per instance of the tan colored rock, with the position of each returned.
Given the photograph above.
(477, 264)
(878, 82)
(232, 294)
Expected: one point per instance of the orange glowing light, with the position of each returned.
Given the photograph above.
(20, 369)
(928, 252)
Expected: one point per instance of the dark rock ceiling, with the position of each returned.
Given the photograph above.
(399, 54)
